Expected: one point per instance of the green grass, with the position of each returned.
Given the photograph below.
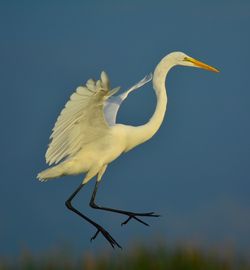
(139, 258)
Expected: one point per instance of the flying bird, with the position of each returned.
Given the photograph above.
(86, 137)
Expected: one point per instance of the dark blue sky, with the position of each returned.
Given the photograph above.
(195, 171)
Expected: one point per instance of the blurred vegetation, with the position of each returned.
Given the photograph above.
(138, 258)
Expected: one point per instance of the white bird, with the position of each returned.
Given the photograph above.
(86, 137)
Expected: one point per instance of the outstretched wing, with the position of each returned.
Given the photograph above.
(112, 105)
(87, 116)
(81, 121)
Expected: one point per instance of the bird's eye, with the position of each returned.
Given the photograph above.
(187, 59)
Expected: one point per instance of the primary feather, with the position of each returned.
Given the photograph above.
(81, 121)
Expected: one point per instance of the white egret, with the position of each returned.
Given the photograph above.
(86, 137)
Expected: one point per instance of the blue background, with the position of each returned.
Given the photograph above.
(195, 170)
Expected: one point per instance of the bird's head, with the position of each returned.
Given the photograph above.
(182, 59)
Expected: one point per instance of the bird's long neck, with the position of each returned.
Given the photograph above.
(143, 133)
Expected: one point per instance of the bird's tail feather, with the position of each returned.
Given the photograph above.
(50, 173)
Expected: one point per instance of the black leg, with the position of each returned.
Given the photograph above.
(110, 239)
(127, 213)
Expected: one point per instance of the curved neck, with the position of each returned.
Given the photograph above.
(140, 134)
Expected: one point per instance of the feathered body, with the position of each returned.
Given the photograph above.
(86, 136)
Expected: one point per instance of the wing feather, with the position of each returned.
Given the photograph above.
(113, 104)
(81, 121)
(87, 116)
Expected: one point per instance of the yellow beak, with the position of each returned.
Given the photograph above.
(200, 64)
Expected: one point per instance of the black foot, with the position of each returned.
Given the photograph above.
(110, 239)
(134, 216)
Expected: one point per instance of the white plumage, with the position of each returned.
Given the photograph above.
(86, 117)
(86, 137)
(81, 121)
